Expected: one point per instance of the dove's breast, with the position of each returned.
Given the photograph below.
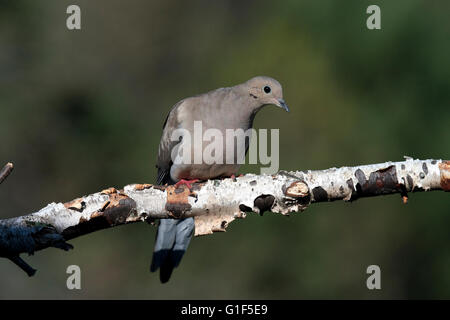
(215, 148)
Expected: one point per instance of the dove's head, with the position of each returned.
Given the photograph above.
(265, 90)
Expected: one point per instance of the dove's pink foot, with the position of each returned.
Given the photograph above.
(187, 183)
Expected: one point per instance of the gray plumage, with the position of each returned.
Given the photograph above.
(225, 108)
(172, 241)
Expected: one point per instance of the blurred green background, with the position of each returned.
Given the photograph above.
(83, 110)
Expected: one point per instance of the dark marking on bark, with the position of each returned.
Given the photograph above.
(403, 192)
(382, 181)
(119, 209)
(179, 190)
(127, 208)
(177, 201)
(162, 188)
(105, 205)
(178, 210)
(361, 177)
(253, 183)
(264, 203)
(320, 195)
(194, 195)
(433, 162)
(83, 228)
(425, 168)
(150, 220)
(76, 205)
(410, 182)
(83, 206)
(244, 208)
(422, 175)
(351, 186)
(403, 167)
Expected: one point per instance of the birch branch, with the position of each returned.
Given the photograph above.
(214, 203)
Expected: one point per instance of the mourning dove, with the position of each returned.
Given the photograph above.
(221, 109)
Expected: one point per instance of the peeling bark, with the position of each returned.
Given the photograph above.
(213, 203)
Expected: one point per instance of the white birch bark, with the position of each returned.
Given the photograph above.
(214, 203)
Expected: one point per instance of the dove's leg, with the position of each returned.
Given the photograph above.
(172, 241)
(187, 183)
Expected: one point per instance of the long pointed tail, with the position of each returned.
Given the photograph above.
(172, 240)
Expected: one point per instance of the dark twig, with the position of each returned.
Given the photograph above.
(23, 265)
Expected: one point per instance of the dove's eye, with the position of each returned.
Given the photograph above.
(267, 89)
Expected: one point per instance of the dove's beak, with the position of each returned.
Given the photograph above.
(282, 104)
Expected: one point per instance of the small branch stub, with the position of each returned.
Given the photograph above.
(6, 171)
(298, 189)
